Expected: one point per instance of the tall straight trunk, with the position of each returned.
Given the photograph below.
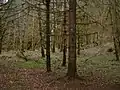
(64, 35)
(0, 35)
(33, 28)
(61, 39)
(54, 36)
(14, 45)
(2, 32)
(40, 30)
(72, 40)
(48, 61)
(0, 46)
(78, 52)
(115, 28)
(20, 33)
(23, 34)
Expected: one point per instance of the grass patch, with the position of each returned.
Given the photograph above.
(31, 64)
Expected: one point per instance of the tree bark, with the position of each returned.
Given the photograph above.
(54, 36)
(40, 30)
(72, 70)
(48, 64)
(64, 35)
(0, 46)
(78, 52)
(115, 28)
(0, 35)
(116, 51)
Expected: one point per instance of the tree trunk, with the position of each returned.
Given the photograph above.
(0, 46)
(42, 51)
(48, 64)
(72, 40)
(64, 35)
(78, 42)
(54, 36)
(116, 51)
(0, 36)
(40, 30)
(115, 28)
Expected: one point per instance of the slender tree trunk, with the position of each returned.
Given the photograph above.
(61, 40)
(40, 30)
(78, 43)
(72, 70)
(0, 36)
(54, 36)
(115, 28)
(116, 51)
(2, 32)
(33, 21)
(23, 34)
(53, 49)
(48, 64)
(0, 45)
(14, 45)
(64, 35)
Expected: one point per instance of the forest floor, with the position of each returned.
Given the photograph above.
(97, 69)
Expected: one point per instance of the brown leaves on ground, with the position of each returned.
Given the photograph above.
(39, 79)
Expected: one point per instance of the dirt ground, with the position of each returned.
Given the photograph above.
(38, 79)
